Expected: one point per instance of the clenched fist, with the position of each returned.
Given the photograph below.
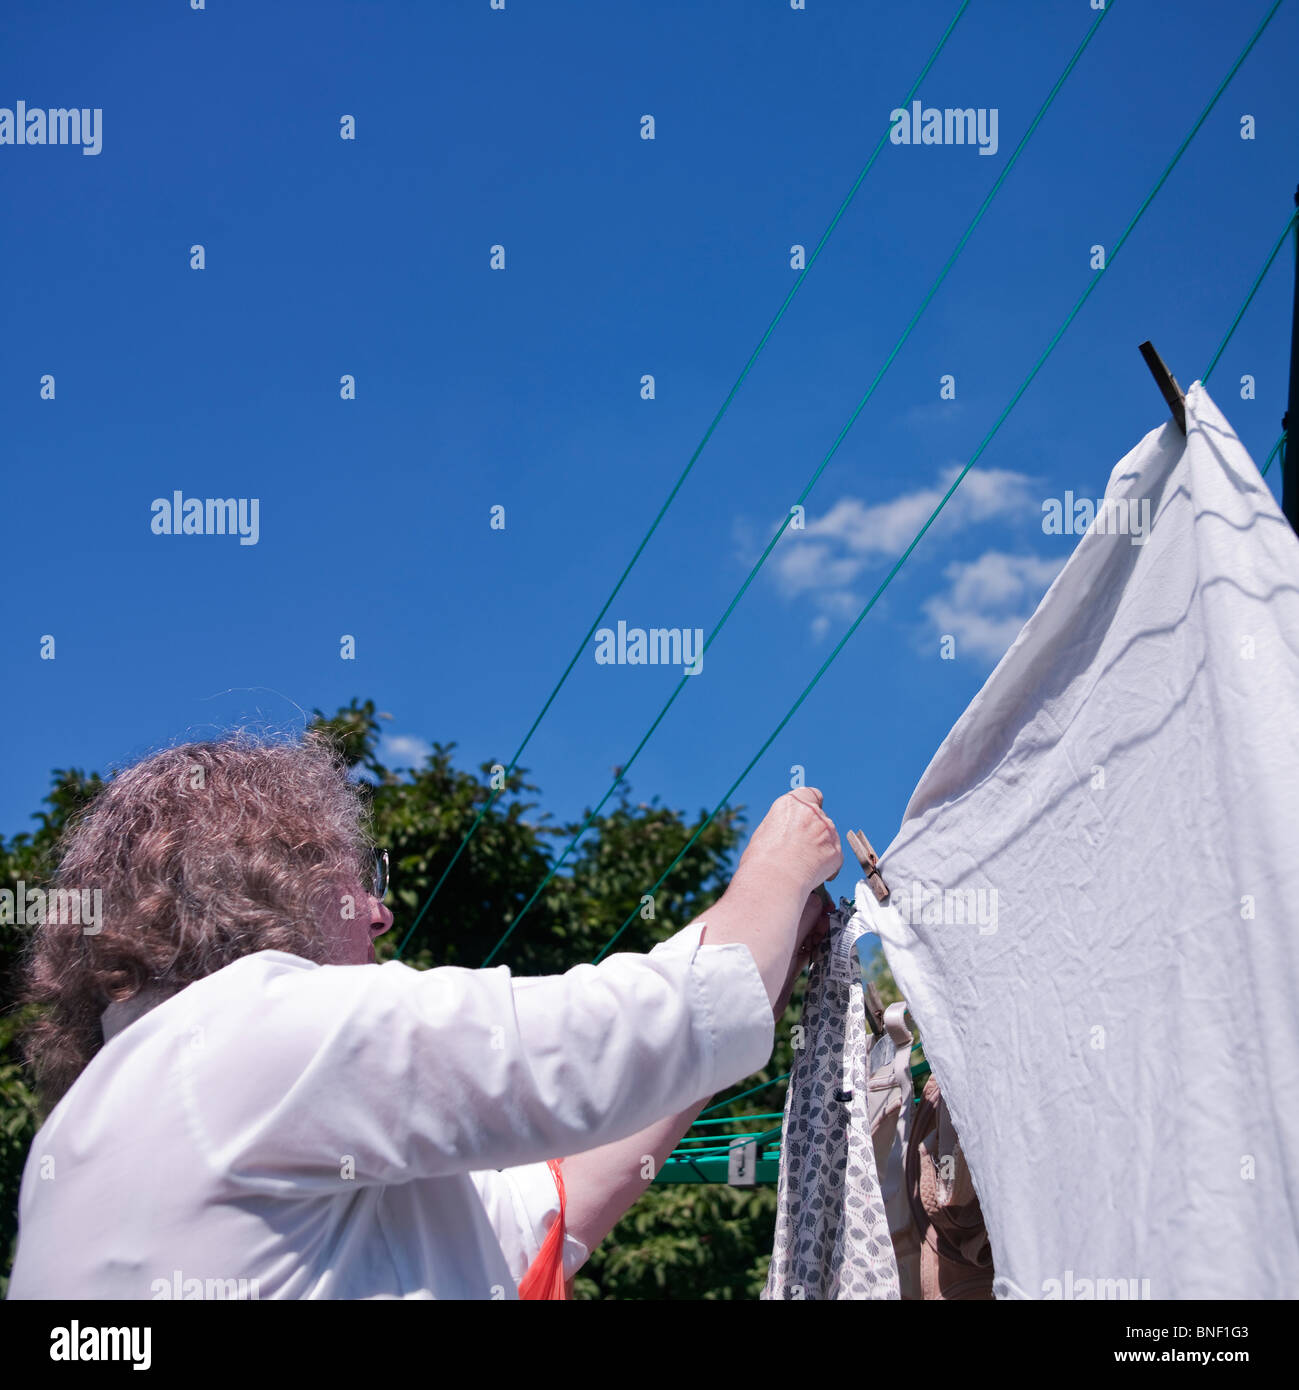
(771, 905)
(796, 838)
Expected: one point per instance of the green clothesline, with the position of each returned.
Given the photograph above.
(682, 1155)
(685, 473)
(761, 1086)
(970, 463)
(734, 1119)
(683, 1164)
(726, 1137)
(724, 1148)
(717, 1170)
(624, 764)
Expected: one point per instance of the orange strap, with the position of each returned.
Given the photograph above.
(545, 1276)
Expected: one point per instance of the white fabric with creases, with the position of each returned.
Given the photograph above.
(1127, 784)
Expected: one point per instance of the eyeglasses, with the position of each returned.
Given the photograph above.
(379, 874)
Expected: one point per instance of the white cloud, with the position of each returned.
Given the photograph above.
(855, 533)
(932, 415)
(404, 750)
(988, 600)
(826, 558)
(815, 566)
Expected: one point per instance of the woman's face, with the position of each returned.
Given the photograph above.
(364, 920)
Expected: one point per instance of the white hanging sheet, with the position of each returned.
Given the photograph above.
(1095, 899)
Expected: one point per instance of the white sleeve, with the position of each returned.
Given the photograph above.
(308, 1075)
(522, 1205)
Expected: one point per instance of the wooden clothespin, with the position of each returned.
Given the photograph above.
(874, 1009)
(866, 857)
(1167, 384)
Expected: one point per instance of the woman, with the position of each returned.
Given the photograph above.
(249, 1106)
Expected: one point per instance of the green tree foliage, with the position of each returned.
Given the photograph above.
(26, 859)
(680, 1241)
(686, 1241)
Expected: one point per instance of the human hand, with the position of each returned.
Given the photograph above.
(796, 839)
(812, 928)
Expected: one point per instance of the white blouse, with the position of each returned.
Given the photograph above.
(282, 1129)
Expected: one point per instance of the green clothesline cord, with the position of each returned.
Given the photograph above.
(718, 1140)
(702, 1140)
(753, 1090)
(711, 1141)
(1280, 440)
(685, 473)
(1235, 323)
(921, 1069)
(690, 1155)
(974, 458)
(820, 469)
(740, 1119)
(687, 1155)
(721, 1144)
(756, 1139)
(1258, 280)
(721, 1150)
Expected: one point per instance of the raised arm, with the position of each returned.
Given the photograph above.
(771, 908)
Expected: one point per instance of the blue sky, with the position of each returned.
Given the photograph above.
(521, 387)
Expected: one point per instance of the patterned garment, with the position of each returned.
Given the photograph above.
(890, 1092)
(832, 1236)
